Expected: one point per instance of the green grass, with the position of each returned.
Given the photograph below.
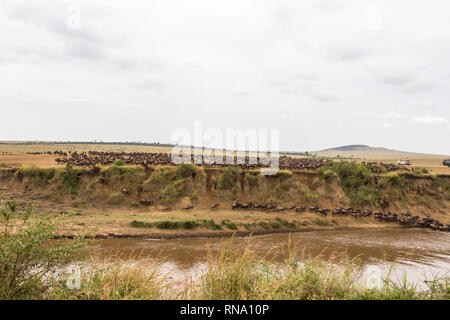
(362, 186)
(121, 176)
(228, 178)
(168, 184)
(118, 282)
(210, 224)
(187, 224)
(229, 224)
(141, 224)
(285, 223)
(252, 180)
(166, 224)
(321, 222)
(63, 180)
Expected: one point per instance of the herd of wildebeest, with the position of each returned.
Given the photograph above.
(404, 219)
(98, 158)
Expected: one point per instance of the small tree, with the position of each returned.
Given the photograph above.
(30, 257)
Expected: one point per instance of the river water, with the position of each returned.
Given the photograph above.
(420, 254)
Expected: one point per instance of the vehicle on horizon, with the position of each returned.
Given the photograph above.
(446, 162)
(404, 162)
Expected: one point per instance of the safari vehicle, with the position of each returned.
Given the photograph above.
(404, 162)
(446, 162)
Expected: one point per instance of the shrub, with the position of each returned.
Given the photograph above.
(186, 170)
(168, 184)
(230, 225)
(420, 171)
(228, 179)
(210, 224)
(69, 178)
(119, 163)
(28, 259)
(367, 195)
(173, 191)
(283, 174)
(356, 179)
(377, 168)
(285, 223)
(252, 180)
(396, 180)
(135, 204)
(168, 224)
(140, 224)
(264, 225)
(190, 224)
(327, 174)
(127, 177)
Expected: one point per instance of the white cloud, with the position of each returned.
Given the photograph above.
(429, 120)
(391, 114)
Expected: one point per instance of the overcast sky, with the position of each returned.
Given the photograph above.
(324, 72)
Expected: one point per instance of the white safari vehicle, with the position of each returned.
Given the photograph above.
(404, 162)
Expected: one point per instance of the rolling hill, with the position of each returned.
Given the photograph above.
(364, 151)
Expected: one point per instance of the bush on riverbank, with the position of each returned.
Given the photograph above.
(27, 257)
(184, 224)
(364, 188)
(167, 185)
(64, 180)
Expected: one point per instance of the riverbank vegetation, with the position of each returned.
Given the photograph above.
(188, 200)
(336, 184)
(27, 256)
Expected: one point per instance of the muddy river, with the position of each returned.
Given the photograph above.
(421, 254)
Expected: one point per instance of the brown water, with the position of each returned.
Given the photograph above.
(422, 254)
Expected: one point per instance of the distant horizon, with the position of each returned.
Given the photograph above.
(166, 144)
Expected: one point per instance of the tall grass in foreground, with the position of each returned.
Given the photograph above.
(240, 274)
(116, 282)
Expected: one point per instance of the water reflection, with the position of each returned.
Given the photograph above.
(420, 253)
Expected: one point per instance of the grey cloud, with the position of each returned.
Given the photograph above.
(149, 84)
(320, 94)
(345, 52)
